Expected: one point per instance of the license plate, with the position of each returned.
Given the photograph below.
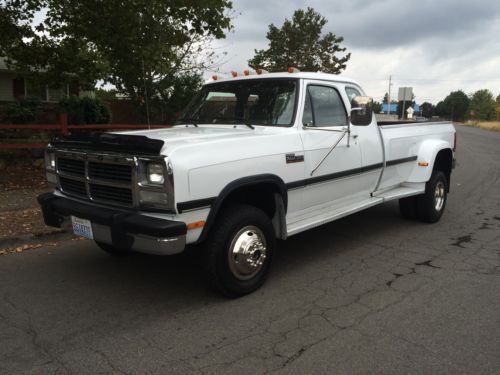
(82, 227)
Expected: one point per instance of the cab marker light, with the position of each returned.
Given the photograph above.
(234, 74)
(195, 225)
(247, 72)
(293, 70)
(214, 77)
(261, 71)
(423, 164)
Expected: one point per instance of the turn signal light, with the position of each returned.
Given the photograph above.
(195, 225)
(423, 164)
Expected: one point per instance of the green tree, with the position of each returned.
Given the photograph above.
(455, 105)
(377, 107)
(299, 43)
(440, 109)
(175, 95)
(138, 45)
(427, 109)
(482, 105)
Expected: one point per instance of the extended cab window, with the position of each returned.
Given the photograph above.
(352, 93)
(253, 101)
(324, 107)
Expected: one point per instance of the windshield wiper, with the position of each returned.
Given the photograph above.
(188, 120)
(241, 120)
(236, 120)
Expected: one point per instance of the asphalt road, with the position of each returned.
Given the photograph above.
(371, 293)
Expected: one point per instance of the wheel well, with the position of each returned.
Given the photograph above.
(259, 195)
(443, 163)
(270, 196)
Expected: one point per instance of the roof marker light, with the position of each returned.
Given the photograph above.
(214, 77)
(293, 70)
(234, 74)
(261, 71)
(247, 72)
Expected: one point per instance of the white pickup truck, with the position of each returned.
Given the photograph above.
(253, 159)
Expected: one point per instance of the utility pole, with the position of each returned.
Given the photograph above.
(389, 97)
(404, 105)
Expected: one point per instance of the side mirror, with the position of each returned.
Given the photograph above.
(361, 110)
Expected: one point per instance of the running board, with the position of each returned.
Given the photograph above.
(400, 192)
(328, 213)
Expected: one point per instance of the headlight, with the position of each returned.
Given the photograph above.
(50, 161)
(155, 173)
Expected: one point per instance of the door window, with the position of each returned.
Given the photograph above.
(324, 107)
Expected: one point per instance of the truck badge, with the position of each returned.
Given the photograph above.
(292, 158)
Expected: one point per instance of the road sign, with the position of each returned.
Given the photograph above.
(405, 93)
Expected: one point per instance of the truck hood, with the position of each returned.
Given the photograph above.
(180, 136)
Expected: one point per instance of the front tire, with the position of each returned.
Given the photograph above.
(238, 251)
(431, 204)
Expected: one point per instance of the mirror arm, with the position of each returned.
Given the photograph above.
(344, 132)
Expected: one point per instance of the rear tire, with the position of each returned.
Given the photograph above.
(111, 250)
(431, 204)
(238, 251)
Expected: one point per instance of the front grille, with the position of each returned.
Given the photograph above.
(71, 166)
(73, 187)
(111, 194)
(107, 180)
(112, 172)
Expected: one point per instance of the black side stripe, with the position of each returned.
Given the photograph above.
(195, 204)
(349, 172)
(200, 203)
(333, 176)
(400, 161)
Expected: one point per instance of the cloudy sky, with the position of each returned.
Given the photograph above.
(435, 46)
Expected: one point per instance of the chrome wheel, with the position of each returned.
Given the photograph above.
(439, 196)
(247, 252)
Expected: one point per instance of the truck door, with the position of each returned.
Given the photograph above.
(370, 142)
(332, 175)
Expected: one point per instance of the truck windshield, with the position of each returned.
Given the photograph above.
(269, 102)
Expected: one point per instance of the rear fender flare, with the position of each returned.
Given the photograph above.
(427, 154)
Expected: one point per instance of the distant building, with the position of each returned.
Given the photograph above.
(394, 108)
(13, 87)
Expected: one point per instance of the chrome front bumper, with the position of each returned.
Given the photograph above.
(126, 230)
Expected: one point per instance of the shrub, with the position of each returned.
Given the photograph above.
(85, 110)
(23, 111)
(19, 114)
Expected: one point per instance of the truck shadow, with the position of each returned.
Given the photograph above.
(179, 277)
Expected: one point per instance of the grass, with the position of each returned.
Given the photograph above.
(489, 125)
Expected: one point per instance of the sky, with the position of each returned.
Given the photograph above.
(433, 46)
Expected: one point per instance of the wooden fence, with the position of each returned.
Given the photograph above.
(64, 128)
